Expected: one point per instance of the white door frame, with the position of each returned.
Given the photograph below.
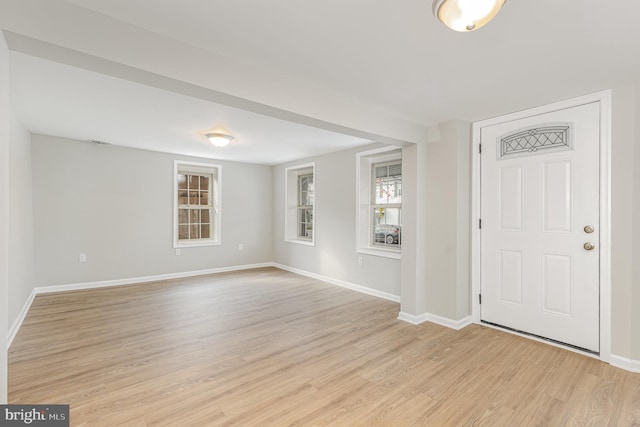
(604, 98)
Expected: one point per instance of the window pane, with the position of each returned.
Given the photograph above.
(388, 183)
(305, 223)
(387, 235)
(305, 215)
(302, 230)
(305, 190)
(182, 181)
(204, 183)
(194, 182)
(381, 171)
(194, 216)
(183, 216)
(387, 216)
(387, 229)
(183, 232)
(204, 216)
(183, 197)
(193, 197)
(194, 232)
(204, 198)
(388, 190)
(205, 231)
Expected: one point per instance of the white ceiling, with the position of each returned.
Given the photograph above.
(56, 99)
(393, 56)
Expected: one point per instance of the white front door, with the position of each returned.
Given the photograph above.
(540, 225)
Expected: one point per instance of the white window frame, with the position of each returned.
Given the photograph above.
(364, 190)
(292, 176)
(215, 190)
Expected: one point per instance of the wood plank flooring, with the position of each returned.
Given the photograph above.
(266, 347)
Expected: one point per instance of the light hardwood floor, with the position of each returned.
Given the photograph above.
(266, 347)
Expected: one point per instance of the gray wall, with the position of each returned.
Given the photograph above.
(437, 189)
(5, 120)
(334, 254)
(116, 205)
(625, 222)
(635, 312)
(622, 175)
(447, 195)
(21, 265)
(635, 282)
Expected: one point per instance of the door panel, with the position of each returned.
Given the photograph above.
(539, 189)
(510, 277)
(557, 284)
(557, 215)
(510, 193)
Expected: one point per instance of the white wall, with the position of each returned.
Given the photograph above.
(5, 119)
(21, 265)
(334, 254)
(116, 205)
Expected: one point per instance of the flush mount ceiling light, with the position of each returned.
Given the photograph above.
(219, 139)
(466, 15)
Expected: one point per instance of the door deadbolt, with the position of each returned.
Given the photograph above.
(588, 246)
(588, 229)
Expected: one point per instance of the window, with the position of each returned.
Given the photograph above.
(305, 207)
(386, 204)
(197, 204)
(379, 209)
(300, 204)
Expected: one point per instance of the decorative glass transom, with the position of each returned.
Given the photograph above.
(536, 140)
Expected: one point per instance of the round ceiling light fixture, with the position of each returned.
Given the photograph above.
(219, 139)
(466, 15)
(219, 136)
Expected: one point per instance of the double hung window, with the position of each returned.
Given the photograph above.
(197, 207)
(300, 204)
(379, 207)
(386, 204)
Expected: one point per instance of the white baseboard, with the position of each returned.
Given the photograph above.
(624, 363)
(434, 318)
(145, 279)
(18, 322)
(341, 283)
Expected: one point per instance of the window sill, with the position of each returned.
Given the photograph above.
(196, 244)
(301, 242)
(385, 253)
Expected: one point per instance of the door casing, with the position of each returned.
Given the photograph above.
(604, 100)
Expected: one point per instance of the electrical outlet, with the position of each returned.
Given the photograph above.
(178, 251)
(82, 257)
(240, 247)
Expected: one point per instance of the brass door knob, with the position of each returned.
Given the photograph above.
(588, 229)
(588, 246)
